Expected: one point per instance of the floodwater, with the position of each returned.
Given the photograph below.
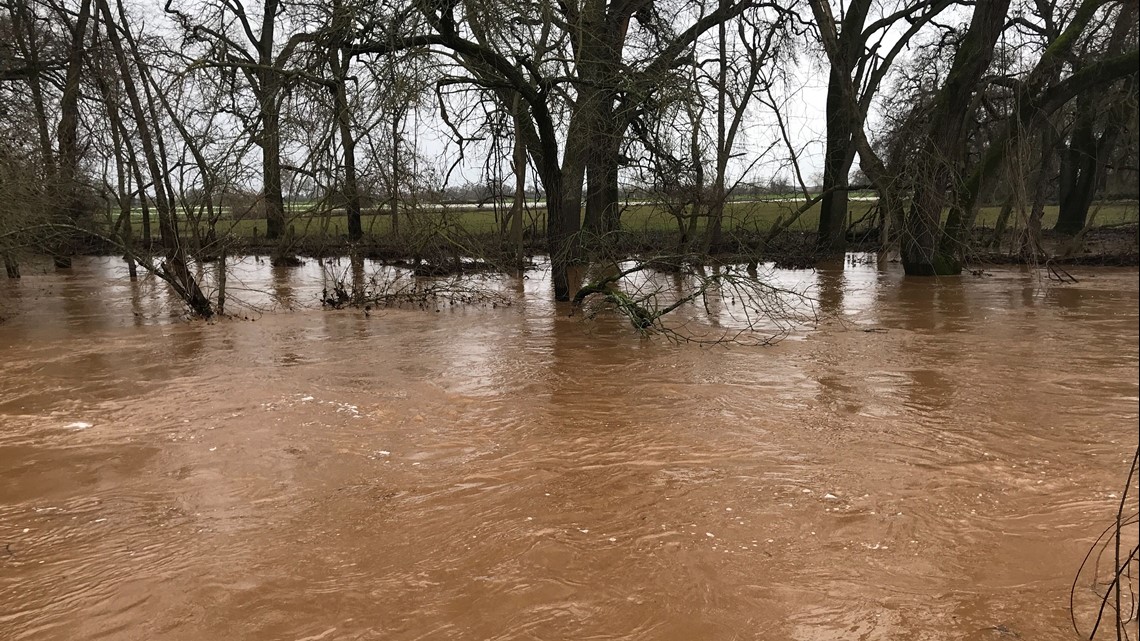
(932, 461)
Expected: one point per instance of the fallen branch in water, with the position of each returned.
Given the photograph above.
(739, 305)
(401, 289)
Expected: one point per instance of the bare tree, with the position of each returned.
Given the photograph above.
(71, 205)
(174, 268)
(256, 51)
(532, 63)
(1100, 119)
(861, 58)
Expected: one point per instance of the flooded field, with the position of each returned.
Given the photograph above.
(932, 461)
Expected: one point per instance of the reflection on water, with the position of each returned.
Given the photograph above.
(930, 461)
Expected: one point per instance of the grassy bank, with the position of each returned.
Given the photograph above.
(746, 218)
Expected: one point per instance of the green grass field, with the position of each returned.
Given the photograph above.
(739, 217)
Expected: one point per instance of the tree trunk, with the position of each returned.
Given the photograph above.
(23, 27)
(1079, 174)
(269, 97)
(565, 221)
(696, 198)
(562, 221)
(519, 167)
(600, 52)
(592, 109)
(11, 266)
(714, 236)
(1085, 160)
(602, 210)
(123, 228)
(274, 199)
(1002, 223)
(67, 134)
(840, 152)
(1031, 247)
(924, 250)
(348, 144)
(832, 236)
(144, 205)
(394, 186)
(611, 216)
(222, 283)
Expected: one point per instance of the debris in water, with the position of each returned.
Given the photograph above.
(1005, 631)
(306, 399)
(318, 637)
(830, 497)
(710, 535)
(79, 425)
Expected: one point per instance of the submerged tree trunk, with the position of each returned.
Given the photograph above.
(562, 226)
(926, 249)
(11, 266)
(564, 206)
(840, 152)
(222, 283)
(890, 200)
(832, 236)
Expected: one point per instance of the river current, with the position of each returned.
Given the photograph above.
(931, 460)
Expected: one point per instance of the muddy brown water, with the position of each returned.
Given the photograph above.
(513, 473)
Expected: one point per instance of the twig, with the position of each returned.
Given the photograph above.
(1121, 566)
